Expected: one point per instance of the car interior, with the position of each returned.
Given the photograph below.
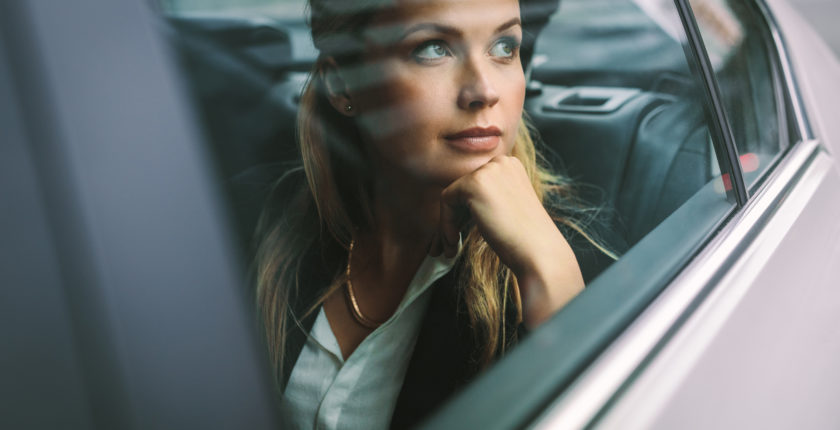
(625, 125)
(618, 105)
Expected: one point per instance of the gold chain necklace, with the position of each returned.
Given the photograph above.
(352, 303)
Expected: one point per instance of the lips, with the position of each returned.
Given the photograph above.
(476, 139)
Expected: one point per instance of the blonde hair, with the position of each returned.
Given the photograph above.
(322, 217)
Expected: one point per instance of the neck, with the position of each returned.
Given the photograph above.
(386, 255)
(405, 221)
(404, 212)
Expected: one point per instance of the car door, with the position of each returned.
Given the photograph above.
(122, 295)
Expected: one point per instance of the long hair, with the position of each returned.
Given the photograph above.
(322, 216)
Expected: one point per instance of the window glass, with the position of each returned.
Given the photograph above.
(739, 47)
(619, 117)
(622, 110)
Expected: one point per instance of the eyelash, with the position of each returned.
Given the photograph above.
(423, 46)
(512, 42)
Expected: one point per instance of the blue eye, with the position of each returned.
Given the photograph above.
(431, 50)
(505, 48)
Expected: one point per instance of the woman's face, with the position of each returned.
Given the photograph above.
(441, 89)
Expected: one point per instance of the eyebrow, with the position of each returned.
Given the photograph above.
(452, 31)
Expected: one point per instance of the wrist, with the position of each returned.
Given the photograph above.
(549, 283)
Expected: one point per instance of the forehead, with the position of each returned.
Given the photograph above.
(462, 14)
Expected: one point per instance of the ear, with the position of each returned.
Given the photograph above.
(336, 87)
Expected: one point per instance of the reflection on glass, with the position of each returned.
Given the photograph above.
(407, 223)
(269, 8)
(739, 46)
(641, 159)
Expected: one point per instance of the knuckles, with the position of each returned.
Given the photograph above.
(500, 172)
(502, 168)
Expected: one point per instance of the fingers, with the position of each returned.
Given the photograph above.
(477, 197)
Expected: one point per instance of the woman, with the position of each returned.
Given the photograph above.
(419, 239)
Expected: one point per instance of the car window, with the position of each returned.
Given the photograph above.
(616, 105)
(622, 110)
(739, 46)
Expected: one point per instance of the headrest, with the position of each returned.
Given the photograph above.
(535, 15)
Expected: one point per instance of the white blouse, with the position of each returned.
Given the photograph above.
(326, 392)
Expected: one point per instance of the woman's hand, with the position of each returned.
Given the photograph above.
(499, 199)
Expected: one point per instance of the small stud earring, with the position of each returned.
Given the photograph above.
(348, 108)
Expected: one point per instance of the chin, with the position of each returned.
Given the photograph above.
(445, 174)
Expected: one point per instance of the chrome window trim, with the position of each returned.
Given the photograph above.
(601, 383)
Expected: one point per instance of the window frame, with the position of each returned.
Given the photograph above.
(722, 127)
(498, 400)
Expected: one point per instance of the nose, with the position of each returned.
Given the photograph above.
(477, 89)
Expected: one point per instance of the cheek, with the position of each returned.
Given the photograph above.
(515, 93)
(399, 107)
(515, 89)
